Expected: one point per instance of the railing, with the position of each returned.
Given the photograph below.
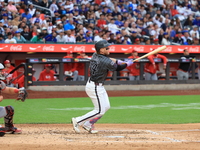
(114, 79)
(41, 8)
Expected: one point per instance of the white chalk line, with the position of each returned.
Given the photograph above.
(172, 106)
(122, 138)
(181, 130)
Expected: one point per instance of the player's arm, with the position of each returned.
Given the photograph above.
(164, 60)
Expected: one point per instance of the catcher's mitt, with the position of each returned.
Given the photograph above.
(22, 95)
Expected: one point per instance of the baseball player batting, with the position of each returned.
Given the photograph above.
(99, 66)
(7, 112)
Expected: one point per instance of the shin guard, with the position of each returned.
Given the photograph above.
(8, 119)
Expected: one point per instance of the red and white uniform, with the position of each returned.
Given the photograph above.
(47, 76)
(80, 67)
(6, 71)
(149, 67)
(133, 69)
(69, 66)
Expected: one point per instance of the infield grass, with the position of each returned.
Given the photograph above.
(134, 110)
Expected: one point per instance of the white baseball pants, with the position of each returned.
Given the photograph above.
(100, 100)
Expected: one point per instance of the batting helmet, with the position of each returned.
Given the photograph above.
(101, 44)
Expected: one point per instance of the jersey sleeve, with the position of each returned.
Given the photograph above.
(163, 58)
(111, 66)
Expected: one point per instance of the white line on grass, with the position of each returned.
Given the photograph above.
(151, 106)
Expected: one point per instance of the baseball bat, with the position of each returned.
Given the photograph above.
(151, 53)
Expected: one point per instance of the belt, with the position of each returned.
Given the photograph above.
(96, 83)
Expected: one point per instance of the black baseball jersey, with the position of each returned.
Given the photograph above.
(99, 67)
(185, 66)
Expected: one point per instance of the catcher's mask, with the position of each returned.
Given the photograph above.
(2, 75)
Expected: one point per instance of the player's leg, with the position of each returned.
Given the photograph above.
(186, 75)
(96, 94)
(89, 125)
(147, 76)
(137, 77)
(154, 76)
(179, 75)
(2, 114)
(75, 74)
(8, 119)
(131, 78)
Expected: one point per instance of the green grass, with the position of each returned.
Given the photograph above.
(139, 110)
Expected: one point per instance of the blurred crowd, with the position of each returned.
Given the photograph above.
(140, 22)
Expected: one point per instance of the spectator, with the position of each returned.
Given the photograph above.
(126, 40)
(53, 7)
(51, 37)
(195, 41)
(69, 68)
(5, 19)
(88, 37)
(31, 9)
(112, 39)
(188, 21)
(61, 38)
(27, 14)
(16, 20)
(20, 81)
(18, 37)
(194, 33)
(151, 67)
(156, 42)
(37, 19)
(133, 36)
(101, 22)
(112, 26)
(134, 69)
(165, 40)
(2, 39)
(10, 38)
(80, 37)
(47, 74)
(96, 36)
(70, 25)
(38, 37)
(178, 39)
(186, 36)
(196, 21)
(1, 28)
(45, 3)
(26, 34)
(44, 31)
(11, 8)
(69, 37)
(182, 72)
(98, 13)
(137, 41)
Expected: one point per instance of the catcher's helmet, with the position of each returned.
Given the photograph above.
(1, 66)
(101, 44)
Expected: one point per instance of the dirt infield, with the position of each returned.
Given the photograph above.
(110, 136)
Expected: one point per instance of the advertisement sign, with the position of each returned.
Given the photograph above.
(89, 48)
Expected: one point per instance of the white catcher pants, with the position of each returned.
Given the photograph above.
(100, 100)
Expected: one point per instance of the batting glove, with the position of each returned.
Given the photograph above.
(129, 62)
(120, 62)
